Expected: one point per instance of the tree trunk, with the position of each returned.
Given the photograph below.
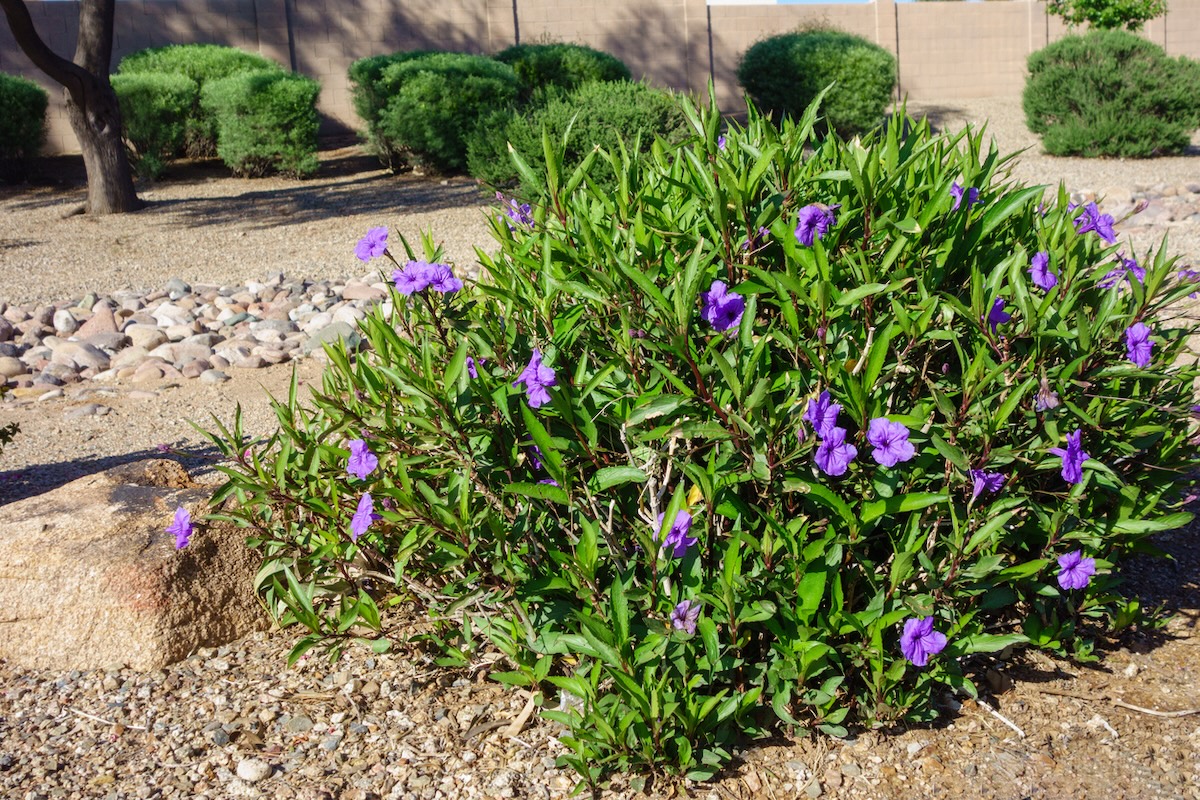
(92, 106)
(97, 126)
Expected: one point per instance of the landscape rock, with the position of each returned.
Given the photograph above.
(91, 576)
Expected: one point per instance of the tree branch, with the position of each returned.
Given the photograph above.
(60, 70)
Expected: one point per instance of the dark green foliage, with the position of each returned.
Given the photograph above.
(155, 109)
(1111, 93)
(784, 74)
(22, 117)
(371, 93)
(565, 66)
(434, 101)
(598, 114)
(202, 63)
(266, 122)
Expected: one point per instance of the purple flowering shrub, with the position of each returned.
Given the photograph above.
(716, 465)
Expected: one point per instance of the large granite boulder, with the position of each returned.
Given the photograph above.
(90, 577)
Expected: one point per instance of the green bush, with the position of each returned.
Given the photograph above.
(22, 117)
(434, 101)
(784, 74)
(371, 93)
(565, 66)
(155, 109)
(202, 63)
(607, 115)
(615, 460)
(1111, 93)
(266, 122)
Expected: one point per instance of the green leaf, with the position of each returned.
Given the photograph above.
(988, 643)
(608, 477)
(539, 491)
(900, 504)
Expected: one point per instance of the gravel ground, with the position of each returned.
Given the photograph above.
(235, 722)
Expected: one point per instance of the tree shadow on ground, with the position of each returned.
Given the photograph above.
(37, 479)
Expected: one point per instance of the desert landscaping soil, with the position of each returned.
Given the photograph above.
(234, 721)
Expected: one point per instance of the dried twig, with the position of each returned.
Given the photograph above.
(1184, 713)
(1000, 717)
(94, 718)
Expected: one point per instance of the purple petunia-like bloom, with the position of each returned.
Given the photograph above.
(997, 315)
(417, 276)
(834, 455)
(441, 279)
(182, 528)
(1072, 457)
(472, 370)
(1138, 344)
(986, 482)
(722, 309)
(721, 141)
(1074, 570)
(364, 515)
(362, 461)
(814, 221)
(1092, 220)
(1187, 275)
(677, 539)
(373, 245)
(890, 440)
(537, 378)
(822, 414)
(519, 213)
(919, 640)
(957, 191)
(1040, 274)
(685, 615)
(1126, 268)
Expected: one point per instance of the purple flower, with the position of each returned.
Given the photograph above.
(549, 481)
(364, 515)
(986, 482)
(413, 278)
(813, 222)
(1072, 458)
(684, 616)
(441, 278)
(997, 315)
(890, 440)
(956, 191)
(1092, 220)
(1074, 570)
(373, 245)
(919, 640)
(537, 377)
(1126, 268)
(520, 213)
(721, 142)
(1138, 344)
(1039, 272)
(834, 455)
(677, 539)
(722, 309)
(822, 414)
(1046, 397)
(362, 461)
(182, 528)
(1190, 276)
(535, 456)
(471, 370)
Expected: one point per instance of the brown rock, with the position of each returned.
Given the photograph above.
(102, 321)
(91, 577)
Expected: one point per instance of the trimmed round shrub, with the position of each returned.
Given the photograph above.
(1111, 93)
(22, 117)
(563, 65)
(266, 122)
(370, 93)
(598, 114)
(155, 109)
(790, 432)
(202, 63)
(784, 74)
(434, 101)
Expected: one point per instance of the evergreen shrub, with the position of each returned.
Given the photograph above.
(783, 432)
(155, 110)
(266, 122)
(1113, 94)
(783, 74)
(202, 63)
(565, 66)
(22, 118)
(370, 93)
(435, 100)
(607, 115)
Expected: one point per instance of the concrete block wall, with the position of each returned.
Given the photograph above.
(946, 51)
